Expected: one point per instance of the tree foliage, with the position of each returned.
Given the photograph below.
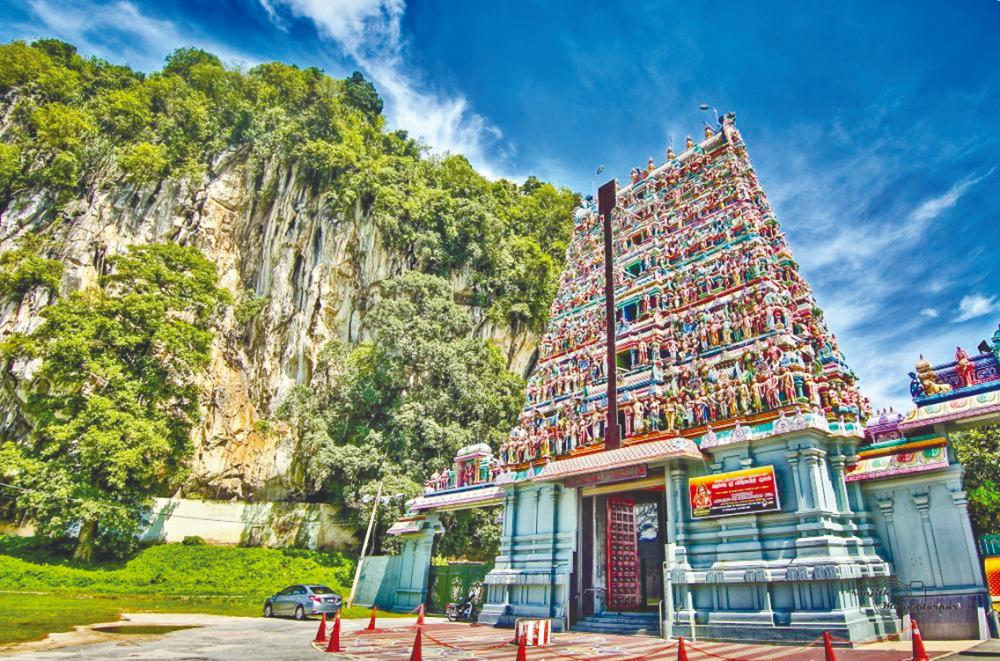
(402, 404)
(389, 409)
(24, 269)
(113, 396)
(75, 116)
(979, 452)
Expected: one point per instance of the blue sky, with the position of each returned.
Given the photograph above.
(875, 127)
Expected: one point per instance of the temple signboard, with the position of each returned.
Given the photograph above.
(748, 491)
(607, 476)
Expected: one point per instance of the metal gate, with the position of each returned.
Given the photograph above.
(451, 582)
(622, 554)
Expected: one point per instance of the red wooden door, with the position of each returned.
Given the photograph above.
(623, 555)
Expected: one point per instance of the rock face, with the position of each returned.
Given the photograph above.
(268, 232)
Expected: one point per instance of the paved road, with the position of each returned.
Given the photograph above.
(988, 650)
(218, 638)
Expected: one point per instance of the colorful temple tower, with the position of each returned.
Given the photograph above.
(715, 324)
(746, 499)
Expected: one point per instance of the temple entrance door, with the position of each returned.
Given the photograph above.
(622, 555)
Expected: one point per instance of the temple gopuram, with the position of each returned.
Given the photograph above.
(737, 486)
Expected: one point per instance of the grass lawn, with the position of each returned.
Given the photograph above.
(26, 616)
(41, 593)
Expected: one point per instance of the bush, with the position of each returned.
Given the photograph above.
(194, 540)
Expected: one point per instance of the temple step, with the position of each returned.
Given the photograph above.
(620, 623)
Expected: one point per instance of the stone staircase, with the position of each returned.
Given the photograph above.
(620, 623)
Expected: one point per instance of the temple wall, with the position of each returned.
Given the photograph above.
(415, 565)
(531, 577)
(378, 582)
(923, 528)
(783, 575)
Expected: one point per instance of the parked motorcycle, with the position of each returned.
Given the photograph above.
(466, 610)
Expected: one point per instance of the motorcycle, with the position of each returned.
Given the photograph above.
(468, 609)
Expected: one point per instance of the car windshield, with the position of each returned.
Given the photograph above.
(320, 589)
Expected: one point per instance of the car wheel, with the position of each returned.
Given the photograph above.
(300, 613)
(268, 611)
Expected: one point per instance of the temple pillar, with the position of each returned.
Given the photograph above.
(960, 498)
(793, 462)
(885, 505)
(840, 487)
(922, 502)
(815, 491)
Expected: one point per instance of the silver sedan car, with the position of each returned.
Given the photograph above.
(302, 600)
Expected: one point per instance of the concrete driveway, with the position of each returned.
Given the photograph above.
(221, 638)
(215, 637)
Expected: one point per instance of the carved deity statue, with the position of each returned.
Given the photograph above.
(928, 379)
(964, 368)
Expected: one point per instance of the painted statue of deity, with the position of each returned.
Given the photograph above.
(638, 416)
(928, 379)
(964, 368)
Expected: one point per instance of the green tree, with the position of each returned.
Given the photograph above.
(113, 401)
(144, 163)
(24, 269)
(59, 127)
(979, 452)
(396, 408)
(20, 64)
(10, 168)
(361, 95)
(125, 113)
(470, 535)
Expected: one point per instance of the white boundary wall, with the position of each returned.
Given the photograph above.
(304, 525)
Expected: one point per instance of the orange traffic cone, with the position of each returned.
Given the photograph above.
(522, 648)
(418, 653)
(420, 615)
(371, 622)
(919, 653)
(321, 632)
(682, 653)
(334, 644)
(828, 647)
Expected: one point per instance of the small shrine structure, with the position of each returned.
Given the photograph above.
(737, 486)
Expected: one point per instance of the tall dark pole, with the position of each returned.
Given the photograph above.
(606, 200)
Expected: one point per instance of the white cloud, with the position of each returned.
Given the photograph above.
(369, 32)
(119, 32)
(933, 207)
(976, 305)
(859, 244)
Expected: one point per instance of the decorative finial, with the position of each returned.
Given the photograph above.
(708, 131)
(689, 143)
(670, 153)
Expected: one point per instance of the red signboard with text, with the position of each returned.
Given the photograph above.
(749, 491)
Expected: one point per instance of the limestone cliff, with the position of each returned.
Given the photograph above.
(268, 231)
